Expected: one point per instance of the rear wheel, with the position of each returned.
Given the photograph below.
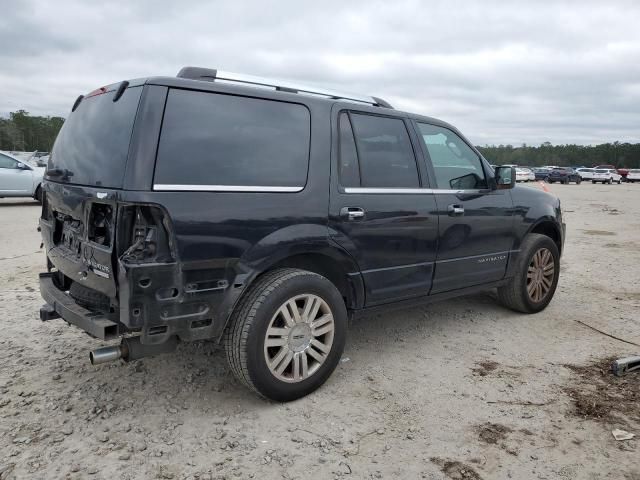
(536, 277)
(610, 181)
(287, 334)
(38, 194)
(578, 181)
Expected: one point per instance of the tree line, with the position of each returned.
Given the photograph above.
(25, 132)
(616, 153)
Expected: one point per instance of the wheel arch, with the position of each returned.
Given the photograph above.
(315, 253)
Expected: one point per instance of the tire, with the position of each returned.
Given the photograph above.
(38, 195)
(619, 181)
(89, 298)
(610, 181)
(515, 294)
(593, 181)
(261, 309)
(578, 181)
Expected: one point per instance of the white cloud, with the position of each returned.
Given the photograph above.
(503, 72)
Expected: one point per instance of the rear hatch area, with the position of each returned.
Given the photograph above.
(85, 172)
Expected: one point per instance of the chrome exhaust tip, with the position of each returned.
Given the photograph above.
(105, 355)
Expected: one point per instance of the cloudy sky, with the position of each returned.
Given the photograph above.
(502, 71)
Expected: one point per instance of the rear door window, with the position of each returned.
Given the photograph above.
(384, 152)
(213, 141)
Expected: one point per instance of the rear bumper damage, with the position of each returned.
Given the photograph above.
(60, 304)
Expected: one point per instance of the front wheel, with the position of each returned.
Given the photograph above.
(536, 276)
(610, 181)
(287, 334)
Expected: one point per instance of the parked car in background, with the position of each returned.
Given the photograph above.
(606, 175)
(541, 173)
(19, 179)
(620, 171)
(564, 175)
(585, 173)
(633, 175)
(524, 174)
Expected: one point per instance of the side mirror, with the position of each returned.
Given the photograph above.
(505, 177)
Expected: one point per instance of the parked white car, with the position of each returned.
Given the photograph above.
(19, 179)
(606, 176)
(524, 174)
(585, 173)
(633, 175)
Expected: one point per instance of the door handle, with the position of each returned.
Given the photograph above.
(352, 213)
(455, 210)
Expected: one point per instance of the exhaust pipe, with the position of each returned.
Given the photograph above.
(131, 349)
(105, 355)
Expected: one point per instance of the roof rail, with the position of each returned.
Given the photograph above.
(211, 74)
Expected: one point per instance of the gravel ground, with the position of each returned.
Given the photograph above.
(462, 389)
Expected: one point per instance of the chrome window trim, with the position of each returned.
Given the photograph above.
(224, 188)
(424, 191)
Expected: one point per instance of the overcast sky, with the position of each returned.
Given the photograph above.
(503, 72)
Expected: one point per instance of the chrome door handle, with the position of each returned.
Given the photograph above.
(352, 213)
(455, 210)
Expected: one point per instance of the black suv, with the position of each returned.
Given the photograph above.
(564, 175)
(263, 215)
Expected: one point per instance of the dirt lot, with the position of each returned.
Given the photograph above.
(463, 389)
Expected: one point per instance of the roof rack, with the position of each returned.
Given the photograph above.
(211, 74)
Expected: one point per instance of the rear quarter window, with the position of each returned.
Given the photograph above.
(213, 141)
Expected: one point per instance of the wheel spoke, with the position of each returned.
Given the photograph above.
(277, 332)
(320, 346)
(546, 283)
(285, 362)
(322, 330)
(311, 307)
(531, 287)
(304, 362)
(294, 311)
(318, 356)
(275, 342)
(287, 315)
(279, 357)
(326, 318)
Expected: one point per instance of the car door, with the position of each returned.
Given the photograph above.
(476, 233)
(381, 210)
(14, 180)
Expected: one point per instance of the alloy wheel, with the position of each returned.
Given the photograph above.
(299, 338)
(540, 275)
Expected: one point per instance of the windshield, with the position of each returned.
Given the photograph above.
(93, 144)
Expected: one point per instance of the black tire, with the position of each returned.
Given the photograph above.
(593, 181)
(88, 298)
(38, 195)
(610, 181)
(578, 181)
(246, 332)
(619, 181)
(514, 294)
